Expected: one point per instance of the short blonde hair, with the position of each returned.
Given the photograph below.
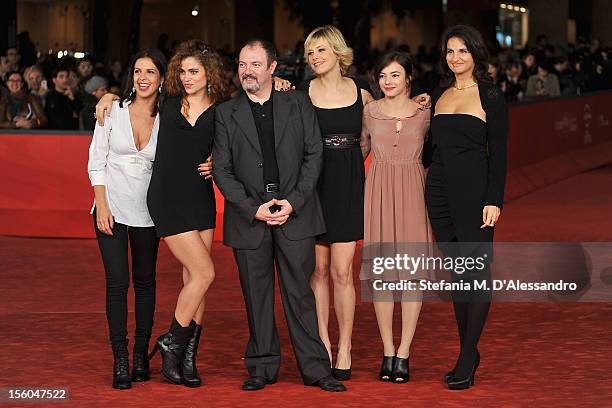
(337, 43)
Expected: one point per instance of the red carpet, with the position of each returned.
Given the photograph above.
(53, 329)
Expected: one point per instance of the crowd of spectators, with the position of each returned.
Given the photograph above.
(49, 92)
(530, 73)
(545, 71)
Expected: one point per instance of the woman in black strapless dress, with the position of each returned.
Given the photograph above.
(465, 185)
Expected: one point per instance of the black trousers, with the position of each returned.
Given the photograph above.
(295, 262)
(143, 244)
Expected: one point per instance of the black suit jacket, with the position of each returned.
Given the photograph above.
(238, 169)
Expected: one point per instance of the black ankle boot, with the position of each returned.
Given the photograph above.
(172, 348)
(140, 371)
(121, 371)
(191, 377)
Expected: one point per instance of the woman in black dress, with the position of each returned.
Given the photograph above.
(465, 185)
(338, 102)
(181, 202)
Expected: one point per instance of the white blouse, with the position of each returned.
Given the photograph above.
(116, 163)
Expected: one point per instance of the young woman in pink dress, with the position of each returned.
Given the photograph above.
(395, 217)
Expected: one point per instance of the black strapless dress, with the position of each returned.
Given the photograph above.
(456, 185)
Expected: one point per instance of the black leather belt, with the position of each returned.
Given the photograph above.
(340, 140)
(272, 188)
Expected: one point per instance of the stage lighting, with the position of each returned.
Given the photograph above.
(195, 11)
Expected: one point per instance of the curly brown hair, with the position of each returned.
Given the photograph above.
(210, 60)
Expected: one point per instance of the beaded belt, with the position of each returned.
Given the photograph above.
(340, 140)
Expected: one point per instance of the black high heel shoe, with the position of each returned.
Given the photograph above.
(401, 370)
(140, 371)
(341, 374)
(386, 368)
(463, 383)
(448, 376)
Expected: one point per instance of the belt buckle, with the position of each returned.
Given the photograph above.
(337, 140)
(271, 188)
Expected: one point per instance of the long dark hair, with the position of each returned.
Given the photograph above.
(475, 45)
(128, 94)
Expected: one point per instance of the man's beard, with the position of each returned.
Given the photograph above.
(253, 87)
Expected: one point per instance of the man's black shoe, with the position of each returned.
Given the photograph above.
(255, 384)
(329, 383)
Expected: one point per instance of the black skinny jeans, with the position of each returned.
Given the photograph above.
(114, 249)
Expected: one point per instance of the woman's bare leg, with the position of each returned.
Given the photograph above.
(342, 254)
(190, 249)
(319, 283)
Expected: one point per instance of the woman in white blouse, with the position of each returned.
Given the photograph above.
(120, 164)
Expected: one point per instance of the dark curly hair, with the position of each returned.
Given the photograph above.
(210, 60)
(475, 45)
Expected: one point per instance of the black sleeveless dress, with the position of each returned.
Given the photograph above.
(179, 199)
(341, 183)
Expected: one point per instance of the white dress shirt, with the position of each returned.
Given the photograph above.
(116, 163)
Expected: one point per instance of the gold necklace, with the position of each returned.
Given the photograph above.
(465, 87)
